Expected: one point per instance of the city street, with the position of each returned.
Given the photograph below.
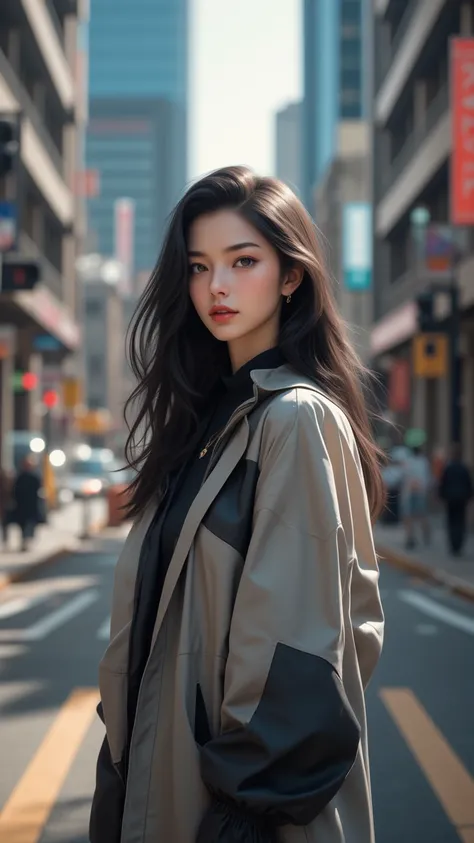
(53, 630)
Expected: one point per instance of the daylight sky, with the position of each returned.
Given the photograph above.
(245, 65)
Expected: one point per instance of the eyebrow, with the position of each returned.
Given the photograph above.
(235, 248)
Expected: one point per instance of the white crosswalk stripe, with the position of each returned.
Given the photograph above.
(21, 604)
(54, 620)
(103, 632)
(436, 610)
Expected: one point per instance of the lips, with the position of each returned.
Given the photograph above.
(220, 310)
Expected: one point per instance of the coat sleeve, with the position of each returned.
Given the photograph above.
(289, 736)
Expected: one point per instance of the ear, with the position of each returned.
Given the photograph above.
(292, 281)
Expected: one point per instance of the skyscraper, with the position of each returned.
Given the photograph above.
(288, 145)
(334, 74)
(137, 134)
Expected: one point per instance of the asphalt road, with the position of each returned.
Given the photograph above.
(52, 634)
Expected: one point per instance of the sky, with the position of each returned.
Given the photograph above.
(246, 63)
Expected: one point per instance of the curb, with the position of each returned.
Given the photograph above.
(26, 571)
(420, 569)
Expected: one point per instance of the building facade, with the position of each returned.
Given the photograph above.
(288, 145)
(129, 145)
(334, 73)
(137, 139)
(105, 324)
(412, 140)
(347, 182)
(40, 78)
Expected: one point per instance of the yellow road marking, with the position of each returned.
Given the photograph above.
(448, 777)
(27, 810)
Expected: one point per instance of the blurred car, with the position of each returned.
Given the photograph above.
(90, 477)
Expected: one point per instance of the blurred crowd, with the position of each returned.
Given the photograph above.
(419, 485)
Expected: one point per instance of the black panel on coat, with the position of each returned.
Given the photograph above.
(230, 516)
(291, 759)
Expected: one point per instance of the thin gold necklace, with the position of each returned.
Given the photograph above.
(208, 444)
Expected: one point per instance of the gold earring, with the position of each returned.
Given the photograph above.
(288, 299)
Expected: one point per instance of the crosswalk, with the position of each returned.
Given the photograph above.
(34, 615)
(32, 612)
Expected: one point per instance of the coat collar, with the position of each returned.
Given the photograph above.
(281, 379)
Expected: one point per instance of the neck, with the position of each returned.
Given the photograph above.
(246, 348)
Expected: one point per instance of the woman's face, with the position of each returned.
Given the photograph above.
(236, 284)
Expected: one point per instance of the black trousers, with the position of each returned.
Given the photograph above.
(456, 525)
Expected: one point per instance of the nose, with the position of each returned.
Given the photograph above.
(219, 285)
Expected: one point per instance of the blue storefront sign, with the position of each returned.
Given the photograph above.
(8, 226)
(357, 245)
(45, 342)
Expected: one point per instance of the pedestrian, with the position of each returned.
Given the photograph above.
(246, 616)
(6, 503)
(27, 501)
(456, 490)
(415, 490)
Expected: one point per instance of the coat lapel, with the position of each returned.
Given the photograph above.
(206, 495)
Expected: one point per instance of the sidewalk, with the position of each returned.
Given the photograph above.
(431, 561)
(61, 535)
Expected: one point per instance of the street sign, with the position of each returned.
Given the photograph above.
(462, 157)
(8, 226)
(71, 393)
(430, 355)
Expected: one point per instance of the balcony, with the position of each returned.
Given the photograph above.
(422, 155)
(45, 26)
(29, 109)
(409, 41)
(55, 20)
(434, 112)
(400, 33)
(38, 150)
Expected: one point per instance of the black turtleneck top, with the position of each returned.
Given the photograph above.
(167, 524)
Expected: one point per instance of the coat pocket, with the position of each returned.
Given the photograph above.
(202, 729)
(113, 683)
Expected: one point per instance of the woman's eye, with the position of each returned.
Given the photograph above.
(245, 262)
(196, 268)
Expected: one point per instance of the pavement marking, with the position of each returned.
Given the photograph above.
(103, 633)
(448, 777)
(26, 812)
(20, 604)
(53, 621)
(61, 616)
(436, 610)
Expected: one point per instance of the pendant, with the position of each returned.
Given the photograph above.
(203, 453)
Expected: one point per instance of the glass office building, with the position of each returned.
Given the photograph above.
(137, 137)
(334, 77)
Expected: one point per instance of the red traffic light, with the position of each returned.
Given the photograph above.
(19, 276)
(50, 398)
(29, 381)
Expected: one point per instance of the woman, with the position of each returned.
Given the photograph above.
(246, 616)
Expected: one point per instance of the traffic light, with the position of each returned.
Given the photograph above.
(19, 276)
(425, 313)
(8, 145)
(50, 398)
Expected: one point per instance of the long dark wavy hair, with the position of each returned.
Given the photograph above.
(178, 363)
